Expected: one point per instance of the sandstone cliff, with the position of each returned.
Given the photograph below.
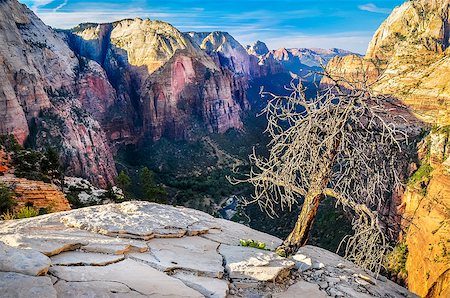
(41, 84)
(426, 216)
(140, 249)
(167, 85)
(408, 57)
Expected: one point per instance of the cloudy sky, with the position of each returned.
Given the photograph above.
(347, 24)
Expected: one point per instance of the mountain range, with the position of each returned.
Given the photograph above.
(91, 89)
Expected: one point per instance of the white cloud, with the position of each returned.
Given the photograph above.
(39, 3)
(60, 6)
(373, 8)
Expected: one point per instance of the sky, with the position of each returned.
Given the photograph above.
(346, 24)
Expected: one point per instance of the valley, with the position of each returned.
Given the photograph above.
(140, 110)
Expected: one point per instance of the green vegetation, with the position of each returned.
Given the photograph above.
(6, 199)
(150, 191)
(253, 243)
(9, 143)
(396, 263)
(35, 165)
(32, 164)
(26, 212)
(123, 180)
(421, 174)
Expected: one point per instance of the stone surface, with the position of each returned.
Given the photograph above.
(302, 289)
(229, 232)
(140, 220)
(344, 278)
(90, 264)
(19, 285)
(136, 276)
(193, 254)
(48, 235)
(254, 264)
(209, 287)
(78, 258)
(25, 261)
(302, 262)
(95, 289)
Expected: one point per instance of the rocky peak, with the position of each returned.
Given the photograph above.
(415, 25)
(408, 57)
(231, 54)
(259, 48)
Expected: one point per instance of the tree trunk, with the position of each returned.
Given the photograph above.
(299, 235)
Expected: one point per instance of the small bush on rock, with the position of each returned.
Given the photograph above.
(253, 243)
(27, 212)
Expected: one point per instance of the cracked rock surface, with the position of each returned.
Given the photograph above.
(141, 249)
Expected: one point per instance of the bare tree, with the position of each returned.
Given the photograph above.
(339, 144)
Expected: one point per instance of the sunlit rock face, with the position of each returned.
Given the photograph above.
(409, 58)
(42, 94)
(410, 54)
(166, 82)
(425, 204)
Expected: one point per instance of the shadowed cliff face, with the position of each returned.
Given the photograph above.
(166, 84)
(42, 91)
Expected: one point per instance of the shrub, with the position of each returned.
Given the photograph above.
(6, 198)
(396, 263)
(422, 173)
(123, 181)
(8, 215)
(151, 191)
(27, 212)
(253, 243)
(9, 143)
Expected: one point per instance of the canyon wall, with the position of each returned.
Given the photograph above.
(409, 59)
(41, 94)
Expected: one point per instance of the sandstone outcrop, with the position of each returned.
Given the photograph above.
(408, 58)
(164, 80)
(426, 205)
(144, 249)
(41, 94)
(38, 194)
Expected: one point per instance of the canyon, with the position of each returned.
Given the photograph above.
(407, 59)
(92, 90)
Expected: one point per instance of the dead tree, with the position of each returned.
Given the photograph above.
(340, 145)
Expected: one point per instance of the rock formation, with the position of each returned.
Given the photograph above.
(426, 205)
(138, 249)
(41, 94)
(165, 83)
(408, 57)
(40, 195)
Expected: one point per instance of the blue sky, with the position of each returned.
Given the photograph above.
(343, 24)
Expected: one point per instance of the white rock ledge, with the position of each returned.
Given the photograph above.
(144, 249)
